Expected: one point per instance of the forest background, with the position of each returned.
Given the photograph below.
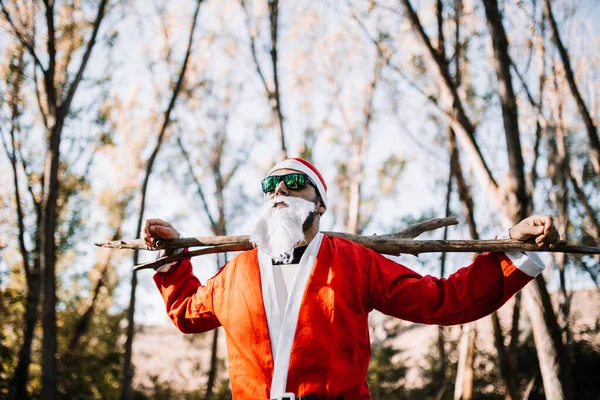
(113, 111)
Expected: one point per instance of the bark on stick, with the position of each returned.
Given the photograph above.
(392, 244)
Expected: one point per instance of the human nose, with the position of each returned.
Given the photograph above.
(281, 189)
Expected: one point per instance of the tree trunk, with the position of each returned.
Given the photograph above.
(546, 352)
(18, 387)
(48, 263)
(58, 109)
(463, 389)
(552, 355)
(212, 372)
(560, 199)
(519, 202)
(441, 373)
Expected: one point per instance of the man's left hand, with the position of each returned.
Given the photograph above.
(540, 227)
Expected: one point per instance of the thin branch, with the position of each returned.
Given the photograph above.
(461, 124)
(186, 156)
(39, 99)
(276, 99)
(50, 73)
(12, 156)
(272, 94)
(253, 49)
(66, 103)
(21, 36)
(587, 118)
(13, 161)
(575, 179)
(73, 44)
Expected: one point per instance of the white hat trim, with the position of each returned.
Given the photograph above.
(298, 166)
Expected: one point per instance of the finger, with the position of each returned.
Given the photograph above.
(149, 242)
(155, 222)
(554, 238)
(145, 232)
(158, 221)
(162, 232)
(533, 230)
(540, 240)
(548, 223)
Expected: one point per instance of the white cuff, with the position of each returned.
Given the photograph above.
(528, 262)
(166, 267)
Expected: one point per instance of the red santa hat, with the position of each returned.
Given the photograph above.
(304, 166)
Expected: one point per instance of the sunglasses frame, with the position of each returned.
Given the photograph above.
(284, 178)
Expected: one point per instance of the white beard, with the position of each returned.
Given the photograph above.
(279, 229)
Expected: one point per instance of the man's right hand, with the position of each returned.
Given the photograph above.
(155, 229)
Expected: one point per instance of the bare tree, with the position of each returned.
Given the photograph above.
(216, 156)
(358, 149)
(272, 91)
(17, 388)
(59, 89)
(583, 109)
(543, 330)
(513, 201)
(126, 390)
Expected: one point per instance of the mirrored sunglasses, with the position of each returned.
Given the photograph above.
(293, 181)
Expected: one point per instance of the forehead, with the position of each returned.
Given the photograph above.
(284, 171)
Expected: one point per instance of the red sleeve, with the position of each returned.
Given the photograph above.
(189, 304)
(470, 293)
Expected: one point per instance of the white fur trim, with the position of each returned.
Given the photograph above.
(298, 166)
(528, 262)
(270, 300)
(282, 325)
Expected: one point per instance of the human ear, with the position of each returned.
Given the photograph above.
(320, 206)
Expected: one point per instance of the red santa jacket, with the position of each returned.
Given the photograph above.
(322, 337)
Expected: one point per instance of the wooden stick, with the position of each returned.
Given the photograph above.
(392, 244)
(411, 232)
(178, 257)
(396, 247)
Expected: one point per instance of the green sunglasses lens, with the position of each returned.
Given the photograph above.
(269, 183)
(293, 181)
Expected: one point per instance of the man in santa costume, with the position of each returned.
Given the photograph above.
(295, 308)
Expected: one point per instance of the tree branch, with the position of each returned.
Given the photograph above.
(49, 74)
(272, 94)
(276, 98)
(20, 217)
(461, 124)
(66, 103)
(186, 156)
(21, 36)
(587, 119)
